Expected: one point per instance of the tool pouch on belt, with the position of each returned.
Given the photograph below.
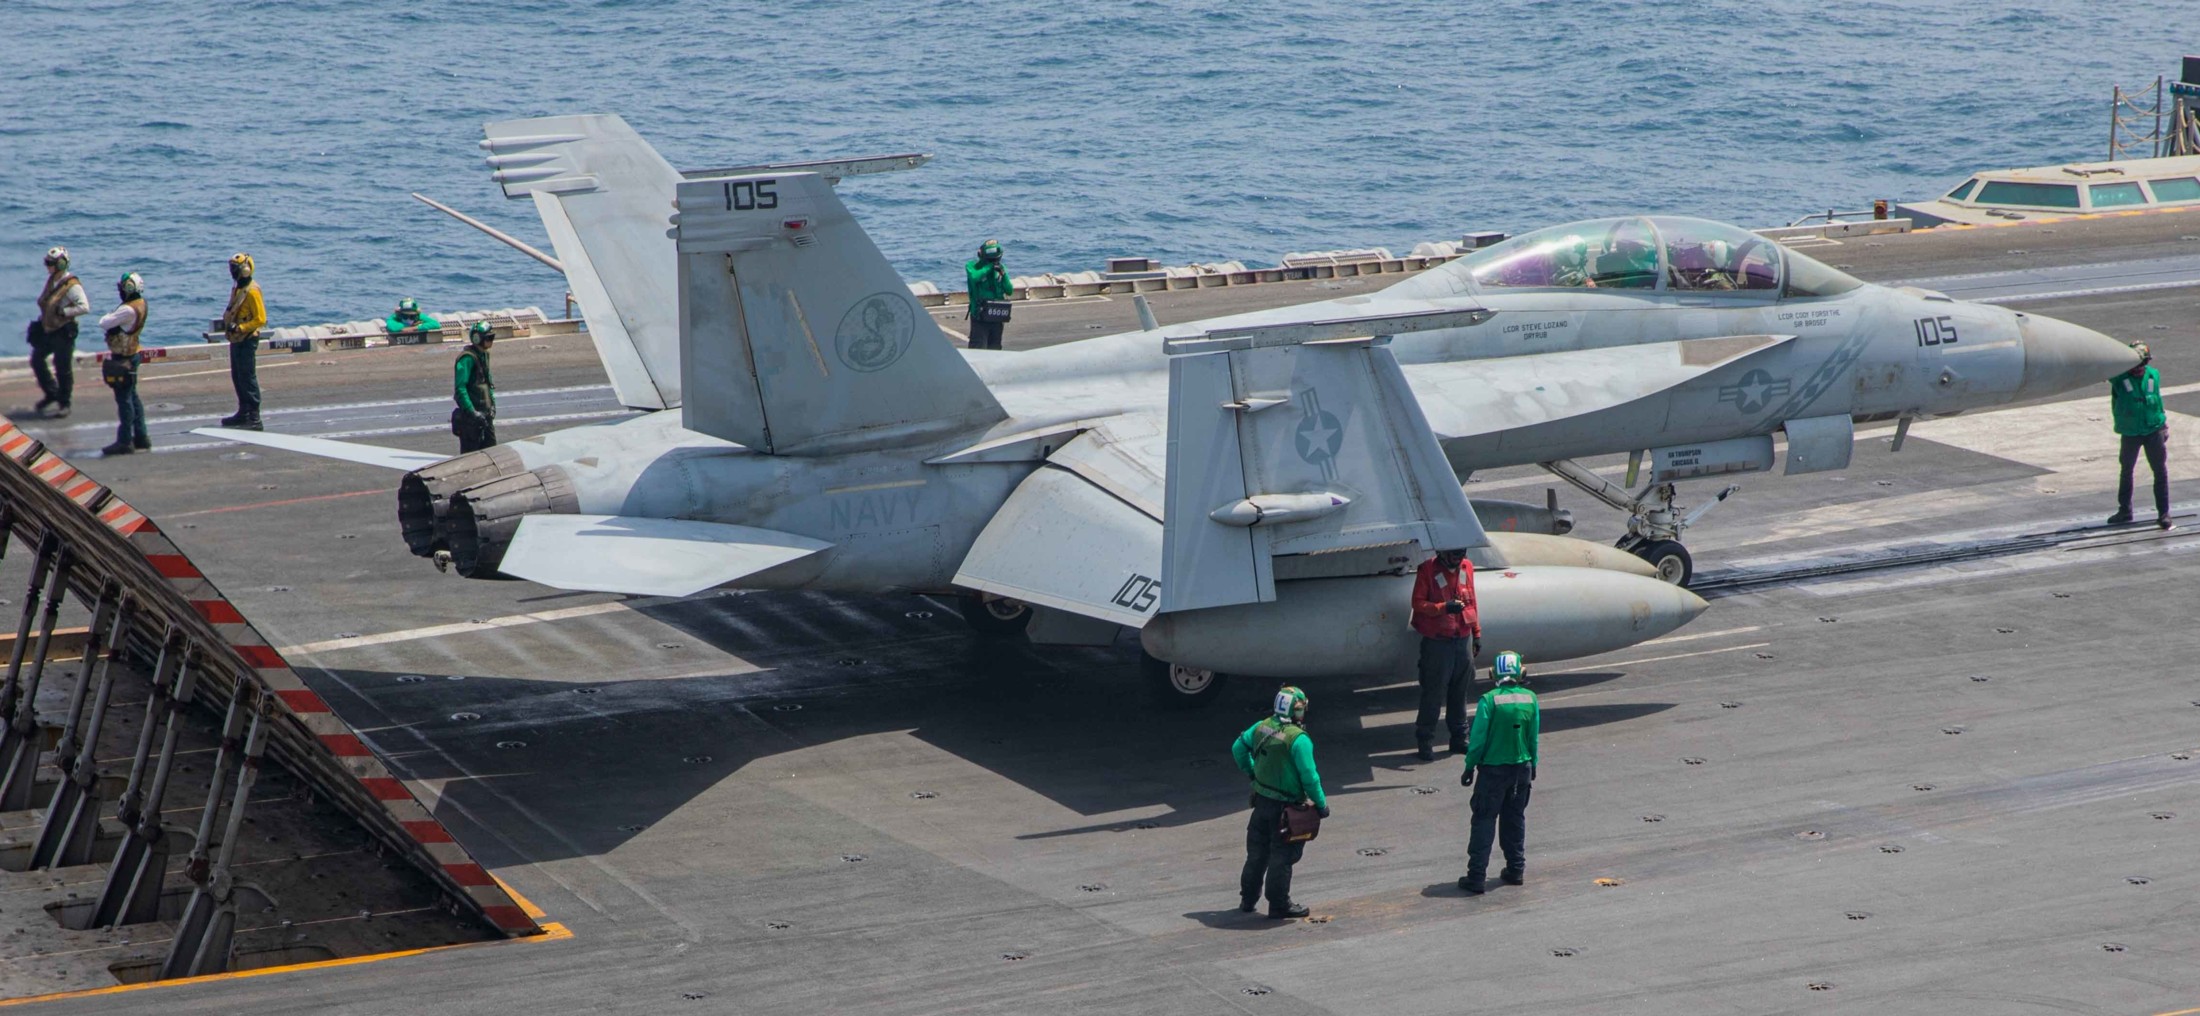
(1301, 822)
(117, 370)
(993, 312)
(460, 425)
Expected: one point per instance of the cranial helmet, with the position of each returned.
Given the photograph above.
(1290, 704)
(1509, 668)
(131, 286)
(989, 250)
(57, 257)
(2144, 352)
(481, 332)
(408, 308)
(240, 267)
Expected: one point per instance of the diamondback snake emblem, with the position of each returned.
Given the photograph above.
(875, 332)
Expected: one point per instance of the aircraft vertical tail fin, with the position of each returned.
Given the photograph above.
(605, 196)
(1294, 452)
(806, 339)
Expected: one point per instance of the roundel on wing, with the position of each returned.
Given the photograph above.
(875, 332)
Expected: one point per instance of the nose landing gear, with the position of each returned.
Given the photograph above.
(1654, 521)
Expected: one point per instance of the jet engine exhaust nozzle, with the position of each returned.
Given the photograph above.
(424, 495)
(483, 518)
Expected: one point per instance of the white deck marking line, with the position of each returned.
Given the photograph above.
(386, 404)
(150, 378)
(462, 627)
(423, 428)
(1670, 639)
(1647, 659)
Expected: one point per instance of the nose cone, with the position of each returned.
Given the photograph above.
(2060, 356)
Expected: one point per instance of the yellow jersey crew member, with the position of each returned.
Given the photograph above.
(124, 326)
(1278, 757)
(52, 334)
(474, 419)
(241, 324)
(1502, 746)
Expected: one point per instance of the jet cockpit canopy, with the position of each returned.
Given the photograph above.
(1659, 253)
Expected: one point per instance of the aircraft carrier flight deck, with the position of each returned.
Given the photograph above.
(1934, 748)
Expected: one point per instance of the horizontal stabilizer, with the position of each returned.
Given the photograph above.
(1075, 535)
(403, 459)
(645, 557)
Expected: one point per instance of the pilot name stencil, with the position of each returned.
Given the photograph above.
(1529, 331)
(1820, 318)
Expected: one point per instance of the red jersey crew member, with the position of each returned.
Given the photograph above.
(1451, 636)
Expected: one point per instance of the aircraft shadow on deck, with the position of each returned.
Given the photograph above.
(574, 768)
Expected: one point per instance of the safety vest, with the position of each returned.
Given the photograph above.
(125, 343)
(49, 301)
(1274, 773)
(478, 386)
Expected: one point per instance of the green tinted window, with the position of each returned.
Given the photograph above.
(2183, 188)
(2116, 195)
(1963, 193)
(2038, 195)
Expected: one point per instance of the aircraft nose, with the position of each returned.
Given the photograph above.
(2060, 356)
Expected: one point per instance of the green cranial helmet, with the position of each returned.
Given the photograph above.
(408, 308)
(1509, 668)
(131, 286)
(480, 333)
(989, 250)
(1290, 704)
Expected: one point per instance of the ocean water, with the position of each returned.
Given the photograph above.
(161, 136)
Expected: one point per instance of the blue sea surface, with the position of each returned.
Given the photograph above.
(162, 137)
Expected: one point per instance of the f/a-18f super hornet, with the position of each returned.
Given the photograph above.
(831, 437)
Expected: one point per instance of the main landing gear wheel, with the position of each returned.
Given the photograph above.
(1670, 559)
(996, 618)
(1179, 687)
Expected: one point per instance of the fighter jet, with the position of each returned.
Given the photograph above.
(829, 436)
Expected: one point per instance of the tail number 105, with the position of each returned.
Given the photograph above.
(750, 195)
(1936, 331)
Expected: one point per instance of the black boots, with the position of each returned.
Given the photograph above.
(1289, 912)
(1426, 754)
(118, 448)
(1513, 876)
(240, 421)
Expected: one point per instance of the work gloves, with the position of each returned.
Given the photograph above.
(1477, 644)
(1455, 607)
(1466, 777)
(1323, 811)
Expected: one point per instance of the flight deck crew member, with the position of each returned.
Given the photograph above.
(123, 326)
(407, 320)
(1278, 756)
(474, 419)
(52, 334)
(1451, 636)
(2135, 400)
(1502, 749)
(241, 324)
(987, 281)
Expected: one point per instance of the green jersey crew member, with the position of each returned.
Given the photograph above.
(52, 334)
(987, 282)
(474, 418)
(124, 326)
(241, 324)
(2135, 400)
(1278, 756)
(407, 320)
(1502, 746)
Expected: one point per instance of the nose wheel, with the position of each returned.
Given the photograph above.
(1668, 557)
(1654, 521)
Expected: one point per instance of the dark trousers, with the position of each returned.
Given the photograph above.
(475, 431)
(130, 410)
(244, 376)
(1447, 669)
(58, 346)
(2157, 449)
(1500, 812)
(1267, 857)
(985, 335)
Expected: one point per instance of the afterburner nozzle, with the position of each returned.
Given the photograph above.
(2060, 356)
